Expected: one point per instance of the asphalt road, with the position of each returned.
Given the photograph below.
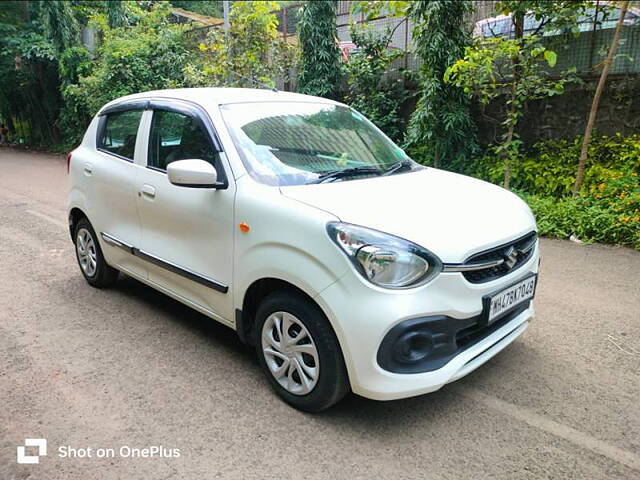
(128, 367)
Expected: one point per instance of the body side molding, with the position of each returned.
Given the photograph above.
(184, 272)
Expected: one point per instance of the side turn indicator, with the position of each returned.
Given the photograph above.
(244, 227)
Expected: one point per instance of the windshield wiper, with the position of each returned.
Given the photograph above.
(347, 172)
(397, 167)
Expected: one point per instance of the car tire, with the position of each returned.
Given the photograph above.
(309, 331)
(92, 264)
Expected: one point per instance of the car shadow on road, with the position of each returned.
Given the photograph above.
(397, 417)
(198, 324)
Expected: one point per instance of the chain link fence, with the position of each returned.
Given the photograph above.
(584, 52)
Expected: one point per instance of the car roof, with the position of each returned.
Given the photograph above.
(221, 96)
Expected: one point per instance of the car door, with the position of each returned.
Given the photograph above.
(112, 190)
(187, 233)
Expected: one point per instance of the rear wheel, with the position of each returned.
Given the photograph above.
(299, 352)
(90, 258)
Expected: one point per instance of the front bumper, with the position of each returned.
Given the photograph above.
(362, 315)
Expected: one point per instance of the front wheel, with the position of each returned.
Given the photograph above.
(299, 352)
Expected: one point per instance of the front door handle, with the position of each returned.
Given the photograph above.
(148, 191)
(88, 168)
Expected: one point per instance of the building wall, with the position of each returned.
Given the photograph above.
(565, 116)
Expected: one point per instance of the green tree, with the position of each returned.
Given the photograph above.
(508, 65)
(320, 68)
(253, 51)
(149, 55)
(596, 100)
(516, 65)
(116, 13)
(441, 123)
(374, 87)
(59, 23)
(30, 41)
(372, 9)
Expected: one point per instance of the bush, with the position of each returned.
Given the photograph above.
(608, 208)
(149, 55)
(549, 167)
(609, 212)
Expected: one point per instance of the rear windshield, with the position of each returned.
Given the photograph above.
(290, 143)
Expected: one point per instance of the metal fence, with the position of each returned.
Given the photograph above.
(402, 28)
(584, 52)
(587, 52)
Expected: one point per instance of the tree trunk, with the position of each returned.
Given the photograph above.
(436, 157)
(11, 125)
(507, 165)
(518, 23)
(596, 100)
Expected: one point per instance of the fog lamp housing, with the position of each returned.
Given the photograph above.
(412, 347)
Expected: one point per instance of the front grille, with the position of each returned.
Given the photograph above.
(524, 246)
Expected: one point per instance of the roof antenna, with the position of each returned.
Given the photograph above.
(263, 85)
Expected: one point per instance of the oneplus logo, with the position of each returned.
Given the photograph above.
(41, 443)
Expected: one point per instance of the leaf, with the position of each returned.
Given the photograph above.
(551, 57)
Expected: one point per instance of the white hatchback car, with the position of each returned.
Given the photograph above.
(295, 221)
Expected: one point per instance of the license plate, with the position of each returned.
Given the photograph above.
(501, 303)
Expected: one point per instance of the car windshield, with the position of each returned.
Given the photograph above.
(296, 143)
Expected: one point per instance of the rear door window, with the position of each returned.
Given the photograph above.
(120, 132)
(176, 136)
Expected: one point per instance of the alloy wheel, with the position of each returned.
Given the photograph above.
(87, 255)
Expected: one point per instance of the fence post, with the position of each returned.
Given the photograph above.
(285, 23)
(406, 42)
(593, 35)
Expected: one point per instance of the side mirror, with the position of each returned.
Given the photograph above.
(192, 173)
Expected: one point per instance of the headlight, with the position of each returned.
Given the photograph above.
(385, 260)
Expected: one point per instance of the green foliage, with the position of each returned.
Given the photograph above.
(488, 69)
(29, 91)
(148, 55)
(548, 168)
(75, 63)
(610, 213)
(372, 85)
(320, 70)
(59, 23)
(608, 208)
(440, 128)
(210, 8)
(497, 65)
(116, 14)
(553, 15)
(516, 68)
(376, 8)
(253, 50)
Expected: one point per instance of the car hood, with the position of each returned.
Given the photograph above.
(451, 215)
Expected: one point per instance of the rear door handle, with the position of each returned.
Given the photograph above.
(148, 191)
(88, 168)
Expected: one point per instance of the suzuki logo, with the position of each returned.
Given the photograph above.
(510, 257)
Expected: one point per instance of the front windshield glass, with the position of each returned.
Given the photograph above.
(289, 143)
